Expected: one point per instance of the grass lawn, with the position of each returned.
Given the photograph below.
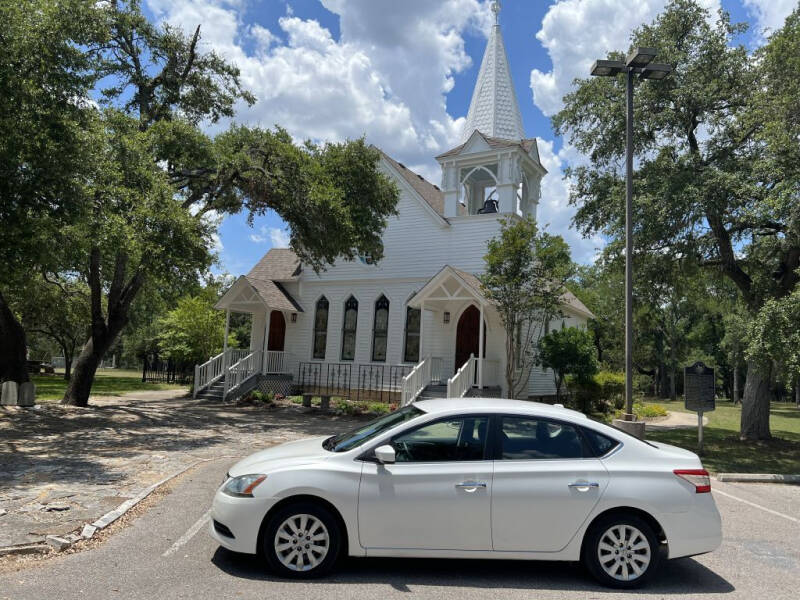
(724, 453)
(50, 388)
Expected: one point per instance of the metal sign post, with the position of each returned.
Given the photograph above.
(699, 385)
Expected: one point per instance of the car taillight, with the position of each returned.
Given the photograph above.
(699, 478)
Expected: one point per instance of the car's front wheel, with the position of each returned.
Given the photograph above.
(621, 551)
(302, 540)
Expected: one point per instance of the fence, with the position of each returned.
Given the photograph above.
(156, 370)
(380, 383)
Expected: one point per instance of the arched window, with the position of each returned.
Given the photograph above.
(380, 329)
(411, 346)
(321, 328)
(349, 326)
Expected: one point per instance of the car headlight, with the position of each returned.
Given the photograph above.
(243, 486)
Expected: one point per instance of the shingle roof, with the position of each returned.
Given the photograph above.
(279, 264)
(429, 192)
(274, 294)
(527, 145)
(494, 108)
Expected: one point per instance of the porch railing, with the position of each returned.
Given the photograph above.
(214, 368)
(460, 383)
(415, 382)
(209, 372)
(275, 362)
(241, 371)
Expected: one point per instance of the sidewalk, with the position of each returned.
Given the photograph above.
(61, 467)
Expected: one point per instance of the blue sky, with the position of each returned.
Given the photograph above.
(402, 74)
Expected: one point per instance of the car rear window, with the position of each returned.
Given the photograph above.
(599, 443)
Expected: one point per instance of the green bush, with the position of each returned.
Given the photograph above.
(603, 393)
(646, 411)
(350, 408)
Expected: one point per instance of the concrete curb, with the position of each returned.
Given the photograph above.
(757, 478)
(107, 519)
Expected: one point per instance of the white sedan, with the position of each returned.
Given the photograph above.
(471, 478)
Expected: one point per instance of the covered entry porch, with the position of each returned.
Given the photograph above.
(462, 343)
(272, 310)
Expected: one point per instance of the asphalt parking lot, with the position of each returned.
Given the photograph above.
(166, 553)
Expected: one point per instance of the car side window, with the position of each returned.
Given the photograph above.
(530, 438)
(600, 444)
(457, 439)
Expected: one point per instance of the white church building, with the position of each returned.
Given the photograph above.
(416, 323)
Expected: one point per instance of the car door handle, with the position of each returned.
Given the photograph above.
(470, 486)
(583, 484)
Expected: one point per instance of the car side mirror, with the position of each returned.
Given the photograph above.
(385, 455)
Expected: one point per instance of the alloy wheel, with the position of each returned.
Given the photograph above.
(624, 552)
(302, 542)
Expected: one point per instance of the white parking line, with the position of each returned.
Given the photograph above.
(754, 505)
(190, 533)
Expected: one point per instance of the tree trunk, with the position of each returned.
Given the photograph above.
(797, 393)
(755, 404)
(67, 366)
(80, 383)
(663, 381)
(13, 349)
(673, 394)
(735, 384)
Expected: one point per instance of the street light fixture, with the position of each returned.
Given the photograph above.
(638, 62)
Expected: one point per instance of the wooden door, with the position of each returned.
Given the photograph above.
(468, 336)
(277, 332)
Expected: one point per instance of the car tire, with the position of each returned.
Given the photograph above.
(302, 541)
(621, 551)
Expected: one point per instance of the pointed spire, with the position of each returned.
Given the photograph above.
(494, 110)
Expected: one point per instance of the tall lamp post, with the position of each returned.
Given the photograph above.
(639, 62)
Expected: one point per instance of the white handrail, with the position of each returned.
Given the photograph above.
(209, 372)
(415, 382)
(460, 383)
(241, 371)
(214, 368)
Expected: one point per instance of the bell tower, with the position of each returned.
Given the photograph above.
(496, 169)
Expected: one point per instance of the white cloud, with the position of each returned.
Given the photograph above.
(278, 238)
(554, 209)
(577, 32)
(770, 14)
(386, 77)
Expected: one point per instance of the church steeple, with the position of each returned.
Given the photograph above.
(494, 110)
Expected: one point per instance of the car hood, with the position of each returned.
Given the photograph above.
(299, 452)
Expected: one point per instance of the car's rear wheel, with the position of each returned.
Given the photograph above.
(302, 541)
(621, 551)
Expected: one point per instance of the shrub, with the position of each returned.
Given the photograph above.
(602, 393)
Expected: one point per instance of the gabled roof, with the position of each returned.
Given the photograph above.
(274, 294)
(429, 192)
(494, 108)
(472, 284)
(528, 145)
(279, 264)
(247, 291)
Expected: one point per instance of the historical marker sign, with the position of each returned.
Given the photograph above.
(698, 392)
(699, 388)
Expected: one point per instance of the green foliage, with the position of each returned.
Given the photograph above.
(353, 408)
(568, 351)
(259, 398)
(773, 337)
(525, 277)
(712, 190)
(193, 331)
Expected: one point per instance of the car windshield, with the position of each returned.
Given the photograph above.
(353, 439)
